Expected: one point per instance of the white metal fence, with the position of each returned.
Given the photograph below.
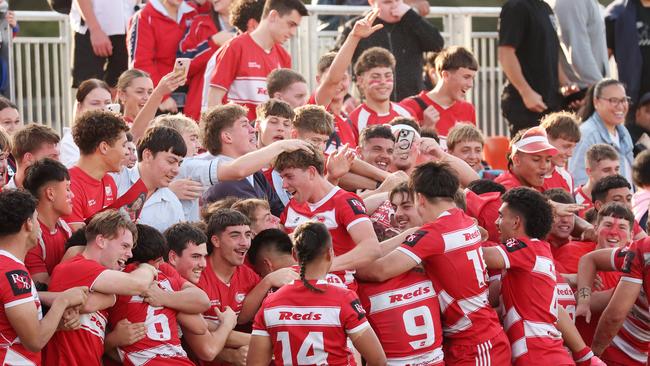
(40, 69)
(40, 66)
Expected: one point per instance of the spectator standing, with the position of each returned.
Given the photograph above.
(529, 55)
(406, 35)
(627, 24)
(206, 34)
(100, 39)
(243, 64)
(581, 31)
(603, 117)
(154, 35)
(639, 125)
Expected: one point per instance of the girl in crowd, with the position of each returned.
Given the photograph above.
(92, 94)
(603, 117)
(311, 314)
(134, 87)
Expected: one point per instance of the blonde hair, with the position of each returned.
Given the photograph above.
(178, 122)
(463, 132)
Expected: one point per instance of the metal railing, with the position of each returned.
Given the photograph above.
(41, 66)
(40, 72)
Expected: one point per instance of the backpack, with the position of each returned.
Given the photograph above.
(60, 6)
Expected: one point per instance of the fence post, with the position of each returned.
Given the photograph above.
(460, 31)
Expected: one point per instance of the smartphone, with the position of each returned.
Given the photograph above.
(182, 65)
(404, 140)
(113, 107)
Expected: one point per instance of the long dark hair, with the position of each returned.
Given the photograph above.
(311, 240)
(594, 91)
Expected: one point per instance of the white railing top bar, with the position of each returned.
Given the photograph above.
(436, 11)
(39, 16)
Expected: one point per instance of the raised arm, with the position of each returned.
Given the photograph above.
(587, 267)
(330, 80)
(365, 252)
(120, 283)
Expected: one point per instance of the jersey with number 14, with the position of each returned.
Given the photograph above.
(450, 249)
(311, 328)
(161, 345)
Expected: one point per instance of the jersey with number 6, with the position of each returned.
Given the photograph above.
(310, 328)
(405, 313)
(530, 298)
(161, 345)
(16, 288)
(450, 249)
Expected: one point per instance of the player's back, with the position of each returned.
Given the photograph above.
(308, 326)
(161, 344)
(405, 314)
(450, 249)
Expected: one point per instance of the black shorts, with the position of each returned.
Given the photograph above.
(87, 65)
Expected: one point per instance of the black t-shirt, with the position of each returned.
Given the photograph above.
(530, 27)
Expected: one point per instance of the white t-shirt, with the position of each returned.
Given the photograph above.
(112, 15)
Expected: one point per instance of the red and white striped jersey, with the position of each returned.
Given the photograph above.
(161, 345)
(339, 210)
(530, 297)
(241, 69)
(450, 249)
(363, 116)
(16, 288)
(310, 328)
(633, 338)
(405, 314)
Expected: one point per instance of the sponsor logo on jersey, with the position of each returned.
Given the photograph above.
(402, 296)
(254, 65)
(19, 281)
(357, 207)
(239, 297)
(414, 238)
(461, 238)
(91, 203)
(288, 315)
(356, 306)
(513, 245)
(302, 316)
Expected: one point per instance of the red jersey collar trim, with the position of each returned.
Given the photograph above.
(328, 196)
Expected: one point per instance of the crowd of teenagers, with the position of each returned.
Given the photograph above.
(206, 208)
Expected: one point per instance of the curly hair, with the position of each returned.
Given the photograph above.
(533, 207)
(94, 127)
(241, 11)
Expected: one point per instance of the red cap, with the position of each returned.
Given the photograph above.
(533, 141)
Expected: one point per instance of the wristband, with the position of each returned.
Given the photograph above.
(583, 355)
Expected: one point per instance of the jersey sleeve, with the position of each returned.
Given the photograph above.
(517, 254)
(353, 316)
(16, 286)
(259, 325)
(34, 260)
(227, 65)
(350, 211)
(422, 244)
(174, 278)
(77, 273)
(628, 261)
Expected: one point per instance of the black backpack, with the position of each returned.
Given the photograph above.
(60, 6)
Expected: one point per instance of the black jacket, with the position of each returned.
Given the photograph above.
(407, 40)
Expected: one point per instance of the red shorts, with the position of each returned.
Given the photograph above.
(494, 352)
(613, 356)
